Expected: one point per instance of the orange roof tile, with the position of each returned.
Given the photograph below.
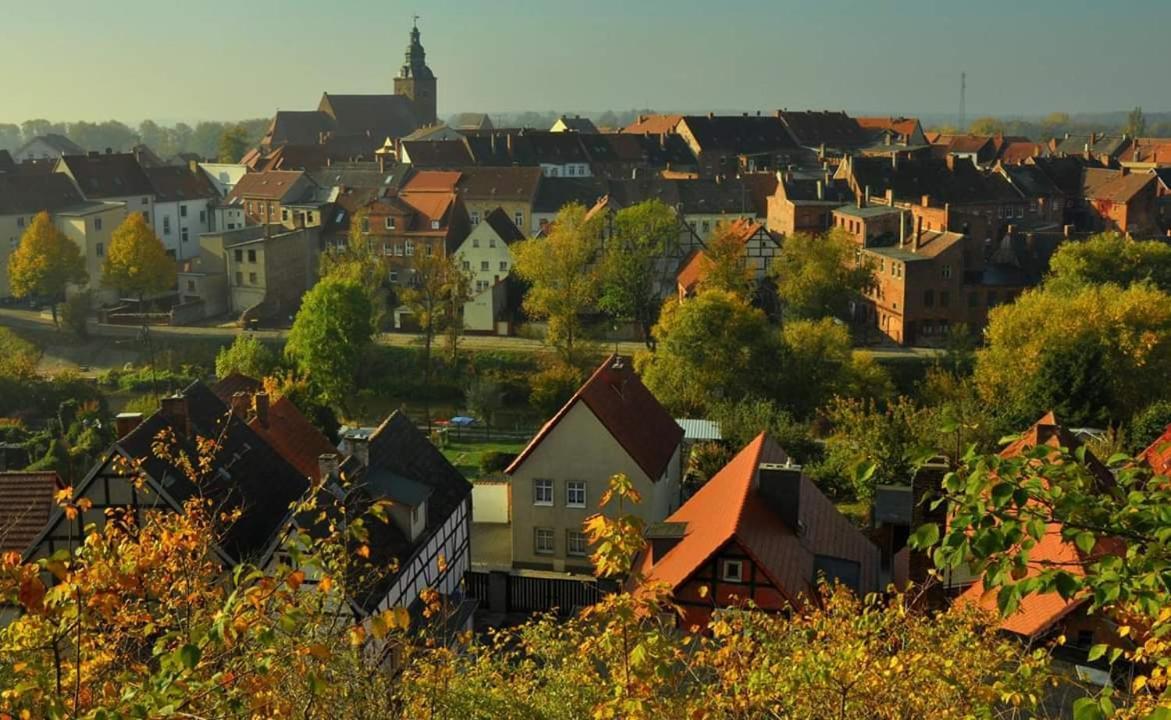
(26, 501)
(653, 124)
(293, 437)
(433, 180)
(695, 268)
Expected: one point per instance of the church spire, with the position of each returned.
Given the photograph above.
(415, 65)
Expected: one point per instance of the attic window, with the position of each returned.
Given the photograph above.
(732, 571)
(434, 224)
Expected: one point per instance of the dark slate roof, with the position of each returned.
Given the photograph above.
(505, 229)
(814, 128)
(354, 175)
(555, 193)
(28, 194)
(1065, 172)
(108, 175)
(471, 121)
(60, 143)
(297, 127)
(174, 183)
(707, 196)
(1110, 145)
(555, 148)
(739, 134)
(804, 190)
(579, 124)
(437, 153)
(1031, 180)
(374, 116)
(502, 183)
(247, 472)
(962, 184)
(26, 502)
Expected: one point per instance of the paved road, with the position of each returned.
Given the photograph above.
(30, 319)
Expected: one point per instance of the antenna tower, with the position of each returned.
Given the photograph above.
(963, 97)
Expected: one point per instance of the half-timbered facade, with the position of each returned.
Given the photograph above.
(758, 531)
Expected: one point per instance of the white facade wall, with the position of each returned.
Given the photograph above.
(491, 502)
(486, 256)
(179, 224)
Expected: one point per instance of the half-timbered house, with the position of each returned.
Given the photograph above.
(758, 531)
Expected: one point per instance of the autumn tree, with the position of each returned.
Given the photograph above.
(817, 275)
(330, 336)
(727, 257)
(435, 295)
(986, 126)
(564, 282)
(1110, 341)
(233, 143)
(247, 355)
(1136, 123)
(712, 347)
(136, 261)
(18, 357)
(358, 261)
(1110, 258)
(45, 263)
(820, 363)
(634, 266)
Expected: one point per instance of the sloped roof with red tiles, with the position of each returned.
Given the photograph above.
(1158, 455)
(433, 180)
(270, 185)
(653, 124)
(1014, 152)
(26, 502)
(901, 125)
(729, 507)
(1039, 612)
(625, 407)
(695, 268)
(1114, 185)
(1147, 150)
(963, 143)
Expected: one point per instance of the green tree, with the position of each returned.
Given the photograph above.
(872, 445)
(1054, 122)
(1136, 123)
(816, 276)
(136, 261)
(728, 262)
(436, 296)
(1110, 258)
(45, 263)
(710, 348)
(357, 261)
(1072, 380)
(561, 273)
(819, 363)
(1148, 425)
(741, 421)
(246, 355)
(632, 264)
(986, 126)
(1128, 330)
(484, 398)
(330, 336)
(18, 357)
(233, 143)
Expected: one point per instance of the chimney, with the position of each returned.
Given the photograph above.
(711, 116)
(1093, 138)
(1086, 151)
(381, 162)
(125, 423)
(1067, 230)
(918, 233)
(360, 448)
(642, 118)
(174, 409)
(240, 403)
(327, 465)
(779, 485)
(894, 160)
(890, 197)
(902, 229)
(820, 190)
(508, 143)
(925, 200)
(866, 195)
(951, 162)
(260, 405)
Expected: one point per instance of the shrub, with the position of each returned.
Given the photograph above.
(495, 461)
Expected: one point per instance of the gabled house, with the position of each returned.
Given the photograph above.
(263, 197)
(980, 150)
(245, 474)
(486, 256)
(47, 147)
(893, 130)
(760, 247)
(805, 204)
(512, 190)
(576, 124)
(555, 193)
(1042, 615)
(111, 177)
(654, 124)
(730, 144)
(183, 207)
(1146, 154)
(1121, 200)
(612, 424)
(1096, 146)
(826, 134)
(759, 530)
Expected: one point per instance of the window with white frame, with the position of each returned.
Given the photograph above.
(434, 224)
(410, 248)
(475, 217)
(503, 265)
(576, 543)
(166, 224)
(398, 250)
(543, 541)
(732, 571)
(519, 219)
(543, 492)
(575, 494)
(390, 223)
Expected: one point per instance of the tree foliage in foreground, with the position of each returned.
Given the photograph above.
(1110, 258)
(45, 263)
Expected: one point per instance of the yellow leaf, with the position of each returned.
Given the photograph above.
(703, 591)
(402, 618)
(295, 579)
(326, 584)
(1139, 683)
(378, 624)
(357, 635)
(363, 551)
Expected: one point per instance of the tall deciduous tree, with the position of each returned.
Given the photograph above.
(357, 261)
(709, 348)
(634, 261)
(45, 263)
(817, 275)
(330, 336)
(728, 262)
(436, 296)
(1136, 123)
(136, 261)
(1110, 258)
(233, 143)
(246, 355)
(562, 277)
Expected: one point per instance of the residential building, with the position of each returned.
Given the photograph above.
(1121, 200)
(26, 501)
(91, 226)
(576, 124)
(183, 207)
(486, 256)
(1040, 616)
(980, 150)
(512, 190)
(760, 247)
(653, 124)
(1146, 154)
(1047, 202)
(758, 531)
(730, 144)
(111, 177)
(611, 425)
(224, 175)
(471, 121)
(826, 134)
(1099, 147)
(805, 204)
(47, 147)
(263, 197)
(894, 130)
(555, 193)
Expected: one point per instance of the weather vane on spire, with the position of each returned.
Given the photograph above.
(416, 19)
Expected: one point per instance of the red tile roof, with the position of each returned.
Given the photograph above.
(26, 501)
(1158, 455)
(729, 507)
(269, 185)
(432, 180)
(625, 407)
(900, 125)
(654, 124)
(1039, 612)
(695, 268)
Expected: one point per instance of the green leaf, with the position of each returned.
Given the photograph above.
(1087, 709)
(1067, 585)
(189, 656)
(925, 536)
(1085, 541)
(1097, 651)
(1160, 714)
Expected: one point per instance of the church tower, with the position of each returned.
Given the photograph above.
(416, 81)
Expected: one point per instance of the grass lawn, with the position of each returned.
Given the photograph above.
(466, 455)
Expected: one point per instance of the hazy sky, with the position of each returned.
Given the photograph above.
(229, 59)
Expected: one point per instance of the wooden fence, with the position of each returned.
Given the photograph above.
(505, 592)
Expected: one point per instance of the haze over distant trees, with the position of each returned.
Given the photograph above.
(203, 138)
